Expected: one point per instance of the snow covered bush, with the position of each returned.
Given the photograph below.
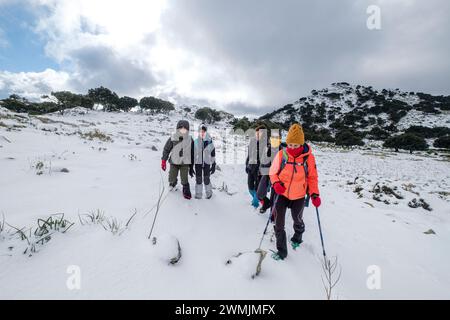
(96, 134)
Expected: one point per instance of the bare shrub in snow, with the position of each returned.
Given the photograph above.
(110, 224)
(331, 275)
(96, 134)
(93, 217)
(41, 166)
(224, 188)
(42, 234)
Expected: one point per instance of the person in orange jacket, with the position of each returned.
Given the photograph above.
(293, 175)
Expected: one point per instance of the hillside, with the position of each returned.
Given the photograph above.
(368, 113)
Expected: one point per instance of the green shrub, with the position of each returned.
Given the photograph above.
(348, 138)
(406, 141)
(442, 142)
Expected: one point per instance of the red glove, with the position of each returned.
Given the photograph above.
(316, 200)
(279, 188)
(163, 165)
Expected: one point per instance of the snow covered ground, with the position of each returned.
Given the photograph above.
(365, 217)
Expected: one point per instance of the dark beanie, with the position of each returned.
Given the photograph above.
(183, 124)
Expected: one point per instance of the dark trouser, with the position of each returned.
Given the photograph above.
(173, 174)
(253, 178)
(279, 209)
(263, 187)
(202, 174)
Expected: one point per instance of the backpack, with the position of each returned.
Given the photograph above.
(285, 161)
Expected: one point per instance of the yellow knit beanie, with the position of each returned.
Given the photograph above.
(295, 135)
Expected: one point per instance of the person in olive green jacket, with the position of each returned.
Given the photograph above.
(179, 151)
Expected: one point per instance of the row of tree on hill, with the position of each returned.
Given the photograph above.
(63, 100)
(111, 102)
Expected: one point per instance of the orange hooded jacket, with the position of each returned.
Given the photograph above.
(293, 175)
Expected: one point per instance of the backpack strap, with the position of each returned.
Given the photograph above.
(285, 161)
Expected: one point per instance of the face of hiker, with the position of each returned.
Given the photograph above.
(202, 134)
(293, 146)
(183, 131)
(275, 141)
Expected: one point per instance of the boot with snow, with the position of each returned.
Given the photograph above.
(255, 201)
(187, 191)
(295, 244)
(281, 243)
(198, 191)
(277, 256)
(265, 206)
(208, 191)
(172, 186)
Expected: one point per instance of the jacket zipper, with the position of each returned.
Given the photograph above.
(292, 178)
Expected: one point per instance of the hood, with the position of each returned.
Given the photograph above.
(183, 124)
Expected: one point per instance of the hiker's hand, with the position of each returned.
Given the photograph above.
(163, 165)
(316, 200)
(279, 188)
(247, 169)
(191, 171)
(213, 169)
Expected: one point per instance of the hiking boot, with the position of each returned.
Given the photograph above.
(208, 191)
(295, 244)
(198, 191)
(276, 256)
(187, 191)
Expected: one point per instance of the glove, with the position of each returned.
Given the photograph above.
(316, 200)
(163, 165)
(279, 188)
(247, 169)
(213, 169)
(191, 171)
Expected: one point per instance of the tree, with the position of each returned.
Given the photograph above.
(378, 133)
(442, 142)
(207, 115)
(105, 97)
(241, 124)
(126, 103)
(406, 141)
(68, 100)
(348, 138)
(156, 105)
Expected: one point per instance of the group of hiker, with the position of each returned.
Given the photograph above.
(280, 175)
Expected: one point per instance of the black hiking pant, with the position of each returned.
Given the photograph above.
(203, 174)
(279, 210)
(253, 177)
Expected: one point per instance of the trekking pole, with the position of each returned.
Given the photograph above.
(268, 221)
(321, 235)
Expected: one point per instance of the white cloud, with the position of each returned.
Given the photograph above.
(265, 54)
(33, 84)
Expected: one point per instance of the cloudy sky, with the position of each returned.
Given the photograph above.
(246, 56)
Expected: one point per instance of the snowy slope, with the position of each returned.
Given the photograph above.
(121, 175)
(353, 103)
